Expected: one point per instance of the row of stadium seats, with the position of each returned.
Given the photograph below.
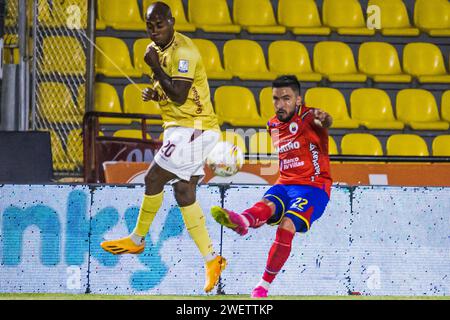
(354, 144)
(369, 107)
(331, 59)
(261, 143)
(245, 59)
(301, 17)
(396, 145)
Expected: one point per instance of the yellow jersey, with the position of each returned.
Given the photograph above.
(181, 60)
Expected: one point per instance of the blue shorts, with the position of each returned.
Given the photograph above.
(302, 204)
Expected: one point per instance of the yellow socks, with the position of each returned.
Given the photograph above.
(194, 219)
(149, 207)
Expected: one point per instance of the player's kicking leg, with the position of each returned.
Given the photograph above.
(155, 180)
(194, 219)
(253, 217)
(306, 205)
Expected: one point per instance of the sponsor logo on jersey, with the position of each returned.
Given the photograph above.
(183, 66)
(315, 158)
(293, 145)
(287, 164)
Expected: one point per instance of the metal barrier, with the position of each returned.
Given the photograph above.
(98, 148)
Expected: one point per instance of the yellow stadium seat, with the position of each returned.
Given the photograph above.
(131, 134)
(107, 100)
(406, 145)
(417, 108)
(66, 13)
(441, 146)
(139, 48)
(433, 17)
(361, 144)
(332, 146)
(120, 14)
(234, 138)
(425, 61)
(75, 147)
(59, 156)
(237, 106)
(266, 107)
(301, 17)
(245, 59)
(345, 17)
(212, 16)
(11, 56)
(261, 143)
(52, 60)
(112, 58)
(81, 97)
(335, 61)
(11, 13)
(56, 104)
(45, 14)
(445, 106)
(177, 9)
(133, 103)
(394, 18)
(373, 109)
(379, 60)
(100, 25)
(256, 16)
(291, 57)
(211, 60)
(332, 101)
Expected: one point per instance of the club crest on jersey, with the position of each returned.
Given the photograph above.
(293, 127)
(183, 66)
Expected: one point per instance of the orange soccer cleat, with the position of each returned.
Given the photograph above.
(123, 245)
(213, 269)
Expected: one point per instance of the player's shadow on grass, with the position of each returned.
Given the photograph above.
(156, 270)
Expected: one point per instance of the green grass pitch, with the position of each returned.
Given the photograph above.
(37, 296)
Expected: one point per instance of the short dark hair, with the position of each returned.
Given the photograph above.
(287, 81)
(158, 8)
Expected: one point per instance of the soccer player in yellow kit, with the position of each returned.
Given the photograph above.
(191, 130)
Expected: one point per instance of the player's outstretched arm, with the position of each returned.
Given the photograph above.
(176, 90)
(322, 119)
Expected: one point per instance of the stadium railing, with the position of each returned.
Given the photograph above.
(99, 148)
(354, 158)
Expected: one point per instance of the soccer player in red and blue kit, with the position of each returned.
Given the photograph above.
(302, 191)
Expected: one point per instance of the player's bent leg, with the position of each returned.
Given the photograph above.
(253, 217)
(259, 213)
(155, 179)
(194, 220)
(278, 255)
